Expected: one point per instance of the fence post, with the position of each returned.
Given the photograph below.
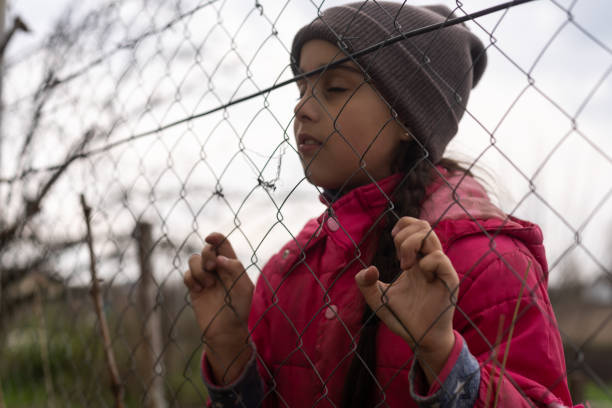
(151, 351)
(2, 17)
(43, 343)
(2, 33)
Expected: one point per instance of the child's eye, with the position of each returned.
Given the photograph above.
(336, 89)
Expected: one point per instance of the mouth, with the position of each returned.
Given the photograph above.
(307, 144)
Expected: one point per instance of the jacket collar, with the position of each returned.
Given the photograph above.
(455, 197)
(375, 194)
(348, 218)
(455, 206)
(448, 197)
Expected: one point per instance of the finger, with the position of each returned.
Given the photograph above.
(413, 248)
(197, 272)
(373, 290)
(191, 284)
(367, 282)
(221, 245)
(406, 222)
(209, 256)
(408, 226)
(230, 270)
(432, 243)
(367, 277)
(406, 231)
(437, 265)
(375, 295)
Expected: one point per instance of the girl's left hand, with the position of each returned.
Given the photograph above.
(419, 304)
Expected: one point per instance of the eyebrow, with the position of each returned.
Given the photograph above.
(327, 67)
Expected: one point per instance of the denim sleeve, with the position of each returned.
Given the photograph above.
(459, 389)
(246, 391)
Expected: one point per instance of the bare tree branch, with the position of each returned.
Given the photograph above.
(32, 207)
(116, 385)
(41, 97)
(18, 25)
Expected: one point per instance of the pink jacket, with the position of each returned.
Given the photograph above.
(306, 310)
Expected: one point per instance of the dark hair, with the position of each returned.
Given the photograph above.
(359, 387)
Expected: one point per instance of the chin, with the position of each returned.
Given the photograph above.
(331, 183)
(322, 182)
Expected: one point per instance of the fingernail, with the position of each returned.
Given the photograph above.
(210, 265)
(394, 231)
(221, 259)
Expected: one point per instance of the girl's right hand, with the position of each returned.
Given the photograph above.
(221, 294)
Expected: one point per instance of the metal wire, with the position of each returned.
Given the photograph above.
(172, 119)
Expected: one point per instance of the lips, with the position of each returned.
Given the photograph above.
(306, 139)
(307, 144)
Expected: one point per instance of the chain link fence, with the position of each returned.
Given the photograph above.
(174, 119)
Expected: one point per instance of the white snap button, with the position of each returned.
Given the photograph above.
(286, 253)
(331, 312)
(332, 224)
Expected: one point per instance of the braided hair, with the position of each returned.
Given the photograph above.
(359, 388)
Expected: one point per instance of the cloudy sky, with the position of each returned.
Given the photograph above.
(545, 98)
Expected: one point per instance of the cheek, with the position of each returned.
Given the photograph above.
(356, 125)
(365, 115)
(361, 130)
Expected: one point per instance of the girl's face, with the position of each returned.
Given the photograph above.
(341, 123)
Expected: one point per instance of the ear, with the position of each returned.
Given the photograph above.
(406, 136)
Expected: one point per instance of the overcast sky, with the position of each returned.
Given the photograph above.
(528, 122)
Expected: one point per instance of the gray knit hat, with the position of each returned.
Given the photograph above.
(426, 78)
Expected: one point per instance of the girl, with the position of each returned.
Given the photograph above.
(412, 289)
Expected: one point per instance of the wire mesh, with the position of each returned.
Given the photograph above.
(174, 119)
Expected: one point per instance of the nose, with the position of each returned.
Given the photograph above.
(307, 107)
